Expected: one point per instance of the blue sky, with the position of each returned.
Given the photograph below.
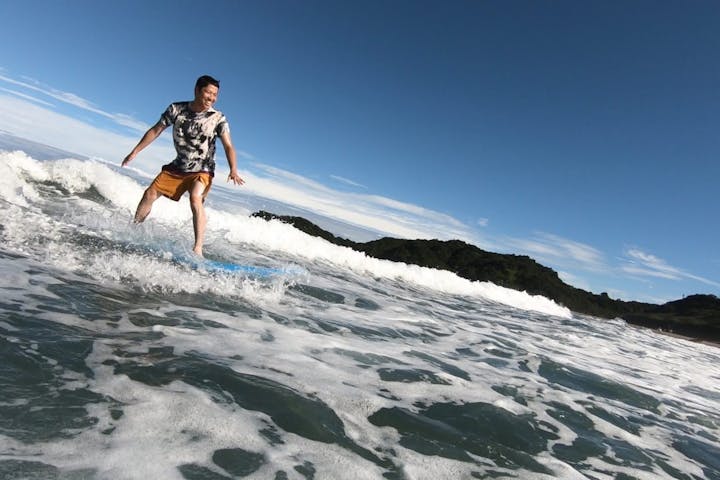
(581, 133)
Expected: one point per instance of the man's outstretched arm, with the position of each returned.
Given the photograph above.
(149, 137)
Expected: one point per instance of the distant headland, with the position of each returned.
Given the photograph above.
(695, 316)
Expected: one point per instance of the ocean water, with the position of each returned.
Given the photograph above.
(119, 362)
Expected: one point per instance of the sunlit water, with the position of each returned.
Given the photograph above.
(119, 362)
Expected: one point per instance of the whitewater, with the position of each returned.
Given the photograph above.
(119, 362)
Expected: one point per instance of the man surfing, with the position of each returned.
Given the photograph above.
(196, 126)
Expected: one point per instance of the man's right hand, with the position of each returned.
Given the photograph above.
(127, 160)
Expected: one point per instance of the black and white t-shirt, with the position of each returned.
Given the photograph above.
(194, 135)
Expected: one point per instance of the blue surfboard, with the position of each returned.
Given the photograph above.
(252, 270)
(198, 263)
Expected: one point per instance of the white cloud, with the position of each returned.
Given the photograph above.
(567, 256)
(27, 97)
(347, 181)
(243, 154)
(375, 212)
(643, 264)
(35, 122)
(554, 249)
(77, 101)
(574, 280)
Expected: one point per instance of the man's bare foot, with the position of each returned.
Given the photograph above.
(198, 251)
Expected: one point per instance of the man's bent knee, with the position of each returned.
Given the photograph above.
(198, 192)
(197, 199)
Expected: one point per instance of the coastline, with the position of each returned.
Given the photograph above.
(695, 317)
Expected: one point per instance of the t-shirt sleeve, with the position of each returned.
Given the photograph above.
(223, 126)
(168, 117)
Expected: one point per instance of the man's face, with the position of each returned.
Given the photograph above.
(206, 96)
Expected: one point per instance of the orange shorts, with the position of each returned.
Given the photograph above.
(174, 185)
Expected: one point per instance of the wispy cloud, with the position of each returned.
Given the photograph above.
(574, 280)
(26, 97)
(643, 264)
(76, 101)
(347, 181)
(554, 249)
(36, 122)
(580, 262)
(245, 155)
(375, 212)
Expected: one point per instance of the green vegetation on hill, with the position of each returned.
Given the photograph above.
(696, 316)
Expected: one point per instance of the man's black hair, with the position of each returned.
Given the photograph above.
(206, 80)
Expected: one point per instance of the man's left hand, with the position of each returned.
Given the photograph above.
(237, 179)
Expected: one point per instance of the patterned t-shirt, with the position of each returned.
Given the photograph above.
(194, 135)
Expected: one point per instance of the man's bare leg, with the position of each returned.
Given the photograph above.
(145, 205)
(199, 218)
